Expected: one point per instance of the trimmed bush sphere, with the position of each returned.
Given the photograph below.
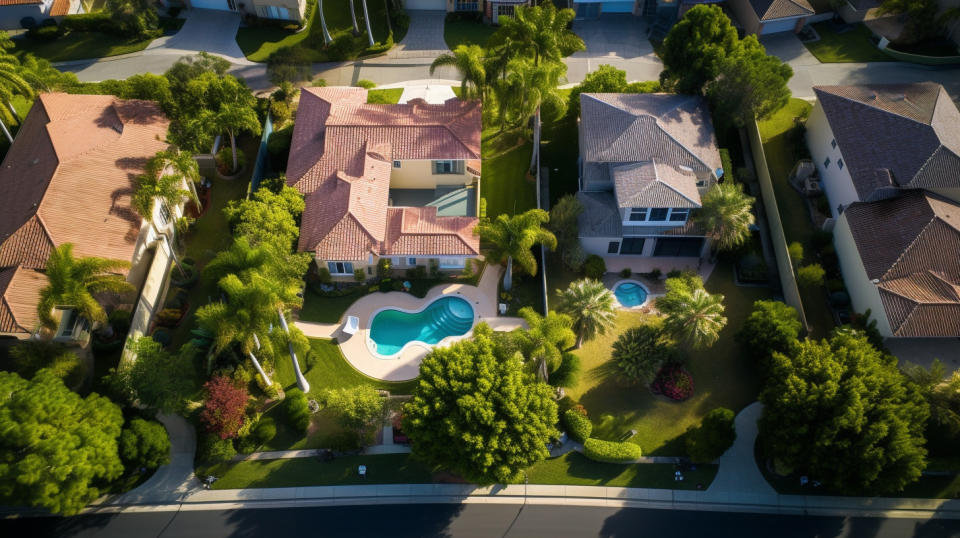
(594, 267)
(673, 382)
(713, 437)
(611, 451)
(298, 410)
(578, 425)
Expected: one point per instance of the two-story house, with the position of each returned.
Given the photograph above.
(386, 181)
(645, 162)
(68, 178)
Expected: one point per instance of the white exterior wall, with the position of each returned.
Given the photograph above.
(419, 175)
(598, 245)
(863, 293)
(149, 233)
(837, 183)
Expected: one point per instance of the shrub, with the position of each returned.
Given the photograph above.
(44, 33)
(713, 437)
(297, 409)
(626, 272)
(574, 257)
(727, 164)
(225, 160)
(796, 252)
(772, 327)
(28, 23)
(364, 83)
(290, 64)
(810, 276)
(578, 426)
(610, 451)
(359, 275)
(144, 444)
(594, 267)
(91, 22)
(417, 273)
(278, 147)
(224, 408)
(568, 373)
(280, 112)
(213, 449)
(641, 351)
(383, 268)
(656, 273)
(674, 382)
(265, 431)
(119, 319)
(169, 317)
(346, 440)
(323, 275)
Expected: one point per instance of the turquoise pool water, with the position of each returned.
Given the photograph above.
(392, 329)
(630, 294)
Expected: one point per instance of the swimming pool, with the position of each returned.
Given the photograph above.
(630, 293)
(392, 329)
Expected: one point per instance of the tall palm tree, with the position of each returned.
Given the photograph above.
(525, 87)
(353, 16)
(693, 315)
(14, 80)
(541, 33)
(155, 185)
(184, 165)
(366, 19)
(546, 338)
(71, 282)
(591, 306)
(727, 215)
(234, 119)
(469, 61)
(323, 24)
(513, 237)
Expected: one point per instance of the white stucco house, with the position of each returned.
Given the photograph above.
(645, 161)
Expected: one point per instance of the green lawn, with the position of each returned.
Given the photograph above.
(505, 187)
(574, 468)
(320, 309)
(323, 428)
(382, 469)
(467, 33)
(259, 43)
(384, 97)
(331, 371)
(722, 376)
(779, 147)
(851, 46)
(80, 46)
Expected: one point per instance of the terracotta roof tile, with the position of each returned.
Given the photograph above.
(69, 176)
(341, 157)
(19, 296)
(59, 8)
(419, 231)
(19, 2)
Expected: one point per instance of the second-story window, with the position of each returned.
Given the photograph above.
(638, 214)
(679, 214)
(164, 214)
(659, 214)
(447, 167)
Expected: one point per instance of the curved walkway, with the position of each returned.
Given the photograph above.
(739, 479)
(175, 481)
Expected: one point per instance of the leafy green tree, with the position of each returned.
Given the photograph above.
(641, 351)
(469, 61)
(71, 282)
(607, 79)
(925, 19)
(236, 119)
(772, 327)
(727, 215)
(591, 306)
(31, 356)
(135, 17)
(692, 315)
(810, 276)
(839, 411)
(541, 33)
(266, 217)
(478, 414)
(526, 86)
(144, 444)
(942, 392)
(356, 408)
(715, 434)
(564, 222)
(695, 49)
(157, 378)
(56, 448)
(155, 185)
(749, 85)
(546, 339)
(512, 238)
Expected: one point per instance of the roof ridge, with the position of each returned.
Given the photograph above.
(909, 247)
(669, 186)
(684, 146)
(877, 108)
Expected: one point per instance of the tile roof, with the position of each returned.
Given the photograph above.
(19, 296)
(59, 8)
(910, 245)
(901, 135)
(419, 231)
(649, 184)
(68, 177)
(601, 218)
(768, 10)
(19, 2)
(341, 157)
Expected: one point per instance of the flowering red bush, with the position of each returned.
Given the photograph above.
(225, 406)
(673, 382)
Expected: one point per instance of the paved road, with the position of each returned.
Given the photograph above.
(471, 520)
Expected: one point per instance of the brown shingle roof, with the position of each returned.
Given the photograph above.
(910, 245)
(907, 133)
(19, 296)
(341, 157)
(68, 177)
(768, 10)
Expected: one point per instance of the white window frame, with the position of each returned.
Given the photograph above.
(451, 262)
(647, 212)
(340, 267)
(412, 261)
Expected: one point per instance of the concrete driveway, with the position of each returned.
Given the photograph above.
(208, 30)
(424, 38)
(619, 40)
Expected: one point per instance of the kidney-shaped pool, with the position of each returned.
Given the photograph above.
(392, 329)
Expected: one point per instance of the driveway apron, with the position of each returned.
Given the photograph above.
(424, 38)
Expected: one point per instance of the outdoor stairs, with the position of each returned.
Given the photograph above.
(448, 318)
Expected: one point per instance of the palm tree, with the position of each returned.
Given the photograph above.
(546, 339)
(591, 306)
(525, 87)
(240, 259)
(469, 61)
(366, 19)
(154, 185)
(692, 314)
(183, 164)
(71, 282)
(13, 81)
(541, 33)
(513, 237)
(353, 16)
(727, 215)
(323, 24)
(234, 119)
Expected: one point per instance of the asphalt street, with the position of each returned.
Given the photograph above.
(471, 520)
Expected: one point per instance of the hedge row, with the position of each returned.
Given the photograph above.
(611, 451)
(578, 426)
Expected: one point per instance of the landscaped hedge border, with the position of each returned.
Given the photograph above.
(921, 59)
(611, 451)
(578, 426)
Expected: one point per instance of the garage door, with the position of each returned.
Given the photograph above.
(210, 4)
(439, 5)
(618, 7)
(774, 27)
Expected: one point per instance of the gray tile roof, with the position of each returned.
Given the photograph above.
(768, 10)
(600, 217)
(649, 184)
(909, 133)
(910, 245)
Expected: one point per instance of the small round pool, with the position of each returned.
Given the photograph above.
(630, 293)
(393, 329)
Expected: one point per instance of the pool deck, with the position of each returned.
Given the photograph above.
(406, 365)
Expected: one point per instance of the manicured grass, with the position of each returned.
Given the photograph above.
(779, 147)
(330, 370)
(258, 43)
(320, 309)
(854, 45)
(323, 429)
(382, 469)
(467, 33)
(560, 150)
(722, 376)
(80, 46)
(574, 468)
(504, 185)
(384, 97)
